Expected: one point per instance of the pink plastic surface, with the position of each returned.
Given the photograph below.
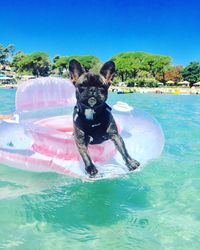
(44, 92)
(47, 144)
(53, 137)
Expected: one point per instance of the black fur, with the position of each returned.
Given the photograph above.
(93, 121)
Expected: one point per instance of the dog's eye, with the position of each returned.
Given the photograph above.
(81, 89)
(102, 90)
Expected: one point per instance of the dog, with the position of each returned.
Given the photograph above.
(92, 119)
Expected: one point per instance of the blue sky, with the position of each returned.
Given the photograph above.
(103, 28)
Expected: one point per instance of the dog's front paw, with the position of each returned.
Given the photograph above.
(132, 164)
(91, 170)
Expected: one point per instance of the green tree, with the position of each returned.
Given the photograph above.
(88, 62)
(128, 64)
(157, 64)
(136, 64)
(55, 59)
(6, 53)
(16, 63)
(36, 63)
(61, 63)
(11, 49)
(54, 68)
(191, 73)
(174, 74)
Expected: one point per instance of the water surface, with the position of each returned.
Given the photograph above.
(156, 208)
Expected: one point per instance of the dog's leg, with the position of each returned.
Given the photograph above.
(82, 147)
(120, 145)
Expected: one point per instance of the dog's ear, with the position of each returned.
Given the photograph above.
(75, 70)
(108, 71)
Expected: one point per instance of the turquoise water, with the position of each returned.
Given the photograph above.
(156, 208)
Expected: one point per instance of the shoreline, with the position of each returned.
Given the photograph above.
(9, 86)
(158, 90)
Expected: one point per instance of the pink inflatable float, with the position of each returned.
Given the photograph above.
(40, 137)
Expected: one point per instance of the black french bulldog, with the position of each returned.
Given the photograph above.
(92, 118)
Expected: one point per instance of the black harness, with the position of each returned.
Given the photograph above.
(95, 129)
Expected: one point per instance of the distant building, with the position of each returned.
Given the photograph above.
(6, 79)
(5, 67)
(27, 77)
(121, 84)
(197, 84)
(170, 82)
(184, 83)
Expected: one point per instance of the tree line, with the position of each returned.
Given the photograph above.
(133, 68)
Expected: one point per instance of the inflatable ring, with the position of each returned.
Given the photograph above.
(42, 140)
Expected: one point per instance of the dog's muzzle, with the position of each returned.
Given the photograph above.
(92, 101)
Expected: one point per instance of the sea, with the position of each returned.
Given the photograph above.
(155, 208)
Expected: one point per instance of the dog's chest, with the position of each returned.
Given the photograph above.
(89, 114)
(94, 124)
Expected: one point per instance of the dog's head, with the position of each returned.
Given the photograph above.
(91, 89)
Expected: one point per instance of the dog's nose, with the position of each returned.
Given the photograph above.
(92, 101)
